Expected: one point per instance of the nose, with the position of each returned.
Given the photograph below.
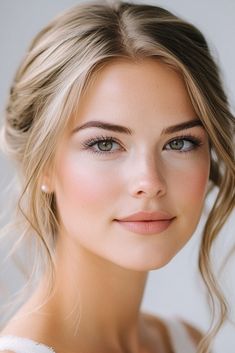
(148, 179)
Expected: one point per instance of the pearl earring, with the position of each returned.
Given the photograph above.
(44, 188)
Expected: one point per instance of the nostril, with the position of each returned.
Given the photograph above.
(150, 192)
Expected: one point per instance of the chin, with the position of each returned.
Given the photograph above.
(145, 263)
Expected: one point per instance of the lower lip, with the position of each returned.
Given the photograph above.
(146, 227)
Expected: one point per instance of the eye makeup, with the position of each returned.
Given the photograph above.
(103, 145)
(89, 145)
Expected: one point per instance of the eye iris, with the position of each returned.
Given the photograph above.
(105, 145)
(177, 144)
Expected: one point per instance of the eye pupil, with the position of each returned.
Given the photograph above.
(105, 145)
(177, 144)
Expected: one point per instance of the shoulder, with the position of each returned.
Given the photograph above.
(157, 332)
(195, 334)
(160, 326)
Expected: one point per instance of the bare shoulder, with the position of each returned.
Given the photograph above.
(158, 332)
(159, 325)
(193, 332)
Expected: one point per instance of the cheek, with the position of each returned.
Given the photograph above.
(191, 185)
(84, 185)
(195, 181)
(187, 190)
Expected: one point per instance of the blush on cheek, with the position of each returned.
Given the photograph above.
(195, 184)
(86, 186)
(87, 190)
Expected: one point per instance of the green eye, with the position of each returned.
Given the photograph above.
(183, 144)
(177, 144)
(105, 145)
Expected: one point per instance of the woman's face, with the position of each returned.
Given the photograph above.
(156, 159)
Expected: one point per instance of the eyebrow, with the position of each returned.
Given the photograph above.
(105, 126)
(182, 126)
(122, 129)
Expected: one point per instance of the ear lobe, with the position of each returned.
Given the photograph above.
(47, 184)
(45, 188)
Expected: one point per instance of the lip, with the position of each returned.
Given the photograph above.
(148, 223)
(147, 216)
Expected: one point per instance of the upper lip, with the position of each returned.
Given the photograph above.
(147, 216)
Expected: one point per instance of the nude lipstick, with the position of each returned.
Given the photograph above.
(146, 223)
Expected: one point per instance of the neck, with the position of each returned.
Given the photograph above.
(96, 299)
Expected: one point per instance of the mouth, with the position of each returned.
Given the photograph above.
(146, 227)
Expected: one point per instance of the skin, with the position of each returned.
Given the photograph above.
(98, 262)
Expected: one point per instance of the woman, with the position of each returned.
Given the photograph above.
(119, 125)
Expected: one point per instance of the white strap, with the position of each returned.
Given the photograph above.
(180, 339)
(23, 345)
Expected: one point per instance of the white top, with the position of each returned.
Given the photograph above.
(180, 339)
(23, 345)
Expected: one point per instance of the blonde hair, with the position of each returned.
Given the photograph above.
(57, 69)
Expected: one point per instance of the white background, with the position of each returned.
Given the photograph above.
(175, 289)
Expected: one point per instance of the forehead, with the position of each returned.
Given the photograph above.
(123, 88)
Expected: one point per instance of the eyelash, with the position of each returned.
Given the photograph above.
(88, 145)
